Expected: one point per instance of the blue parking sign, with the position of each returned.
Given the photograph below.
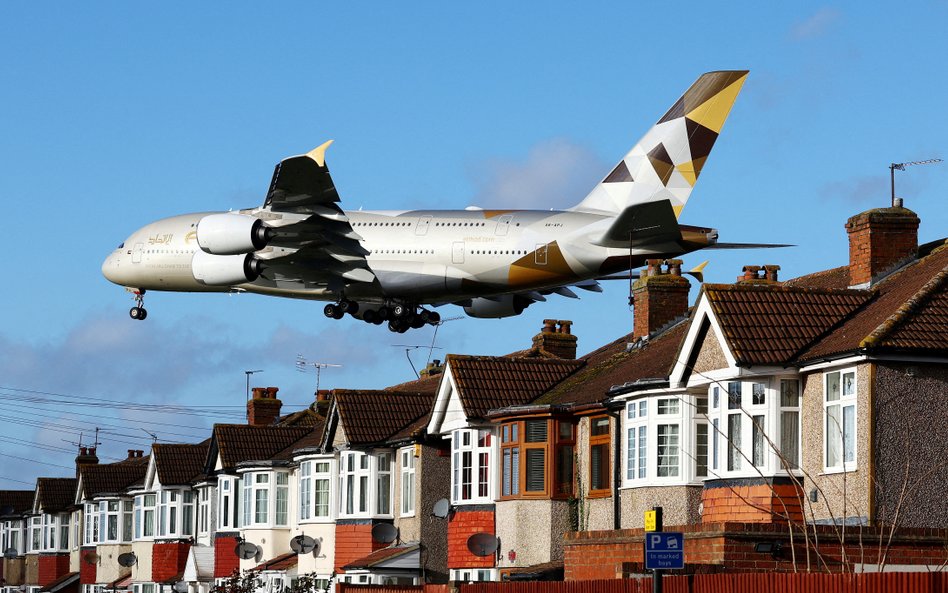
(664, 550)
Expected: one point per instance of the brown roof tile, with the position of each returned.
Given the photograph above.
(55, 494)
(237, 443)
(16, 502)
(375, 416)
(770, 323)
(310, 439)
(379, 556)
(179, 464)
(833, 278)
(282, 562)
(493, 382)
(112, 478)
(909, 312)
(614, 365)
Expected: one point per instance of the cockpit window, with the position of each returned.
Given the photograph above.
(121, 245)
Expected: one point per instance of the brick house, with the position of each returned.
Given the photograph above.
(14, 507)
(49, 538)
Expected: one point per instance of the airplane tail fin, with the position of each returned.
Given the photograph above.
(666, 162)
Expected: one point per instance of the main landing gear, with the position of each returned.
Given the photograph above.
(400, 316)
(138, 312)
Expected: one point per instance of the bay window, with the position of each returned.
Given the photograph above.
(637, 440)
(228, 491)
(537, 458)
(314, 485)
(407, 481)
(204, 510)
(266, 499)
(90, 518)
(470, 466)
(600, 447)
(365, 484)
(668, 439)
(839, 412)
(145, 505)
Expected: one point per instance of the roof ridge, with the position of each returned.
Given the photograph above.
(782, 287)
(906, 309)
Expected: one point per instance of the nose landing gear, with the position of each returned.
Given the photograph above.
(138, 312)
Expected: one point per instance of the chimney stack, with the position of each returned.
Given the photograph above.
(264, 407)
(86, 457)
(880, 240)
(433, 368)
(759, 275)
(556, 338)
(659, 296)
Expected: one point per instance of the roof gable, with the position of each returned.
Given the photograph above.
(54, 495)
(112, 478)
(375, 416)
(179, 464)
(240, 443)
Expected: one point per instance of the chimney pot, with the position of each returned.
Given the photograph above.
(549, 326)
(561, 344)
(565, 325)
(131, 454)
(674, 266)
(654, 267)
(770, 272)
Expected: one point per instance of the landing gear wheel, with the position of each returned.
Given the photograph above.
(138, 313)
(333, 311)
(393, 325)
(434, 318)
(416, 322)
(384, 313)
(350, 307)
(369, 316)
(400, 310)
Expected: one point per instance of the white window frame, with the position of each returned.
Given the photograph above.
(791, 410)
(90, 518)
(847, 399)
(316, 477)
(360, 481)
(636, 442)
(205, 509)
(478, 444)
(229, 511)
(646, 418)
(406, 464)
(146, 504)
(473, 575)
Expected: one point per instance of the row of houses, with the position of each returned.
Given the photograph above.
(765, 410)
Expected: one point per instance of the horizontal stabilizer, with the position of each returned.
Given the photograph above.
(747, 245)
(642, 224)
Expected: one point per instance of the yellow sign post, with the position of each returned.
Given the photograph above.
(651, 520)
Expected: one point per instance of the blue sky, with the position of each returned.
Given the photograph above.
(113, 114)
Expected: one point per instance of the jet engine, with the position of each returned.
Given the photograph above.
(224, 270)
(232, 234)
(507, 305)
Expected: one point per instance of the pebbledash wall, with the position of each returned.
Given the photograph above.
(730, 547)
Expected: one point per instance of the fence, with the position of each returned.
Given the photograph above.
(901, 582)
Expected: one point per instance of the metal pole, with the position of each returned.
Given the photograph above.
(892, 182)
(656, 573)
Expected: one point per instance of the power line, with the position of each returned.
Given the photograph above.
(16, 480)
(149, 422)
(36, 461)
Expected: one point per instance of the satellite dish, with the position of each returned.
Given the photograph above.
(91, 557)
(482, 544)
(302, 544)
(246, 550)
(180, 587)
(384, 533)
(441, 508)
(128, 559)
(10, 553)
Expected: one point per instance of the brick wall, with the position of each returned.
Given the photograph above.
(730, 547)
(462, 524)
(354, 541)
(751, 501)
(226, 561)
(51, 567)
(878, 240)
(87, 570)
(168, 559)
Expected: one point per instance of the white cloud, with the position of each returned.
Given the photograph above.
(816, 24)
(555, 174)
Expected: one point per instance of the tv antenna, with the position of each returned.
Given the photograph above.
(435, 335)
(901, 167)
(248, 373)
(302, 364)
(154, 437)
(409, 347)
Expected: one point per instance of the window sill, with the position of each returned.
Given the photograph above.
(838, 470)
(599, 493)
(319, 521)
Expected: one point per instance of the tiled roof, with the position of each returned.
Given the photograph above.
(310, 439)
(909, 312)
(179, 464)
(428, 385)
(770, 323)
(237, 443)
(55, 494)
(492, 382)
(832, 278)
(369, 416)
(306, 417)
(614, 364)
(112, 478)
(282, 562)
(15, 502)
(380, 556)
(61, 583)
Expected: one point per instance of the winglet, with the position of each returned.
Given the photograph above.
(318, 154)
(698, 271)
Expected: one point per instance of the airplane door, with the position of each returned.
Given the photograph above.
(503, 224)
(457, 252)
(540, 255)
(422, 227)
(137, 253)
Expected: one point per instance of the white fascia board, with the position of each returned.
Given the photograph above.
(665, 391)
(839, 362)
(151, 474)
(446, 406)
(702, 311)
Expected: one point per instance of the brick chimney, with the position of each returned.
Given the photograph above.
(659, 296)
(264, 407)
(880, 240)
(86, 457)
(556, 338)
(433, 368)
(759, 275)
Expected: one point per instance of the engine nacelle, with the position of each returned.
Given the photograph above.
(232, 234)
(224, 270)
(507, 306)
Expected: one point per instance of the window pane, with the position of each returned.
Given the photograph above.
(667, 450)
(600, 426)
(790, 393)
(834, 437)
(790, 439)
(733, 442)
(849, 383)
(643, 454)
(701, 450)
(536, 468)
(599, 467)
(630, 453)
(832, 387)
(667, 406)
(757, 440)
(515, 471)
(384, 494)
(564, 469)
(701, 405)
(483, 474)
(733, 396)
(505, 487)
(759, 391)
(535, 432)
(849, 434)
(715, 397)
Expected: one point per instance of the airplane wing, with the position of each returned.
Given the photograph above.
(322, 249)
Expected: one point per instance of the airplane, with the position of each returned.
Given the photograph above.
(389, 266)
